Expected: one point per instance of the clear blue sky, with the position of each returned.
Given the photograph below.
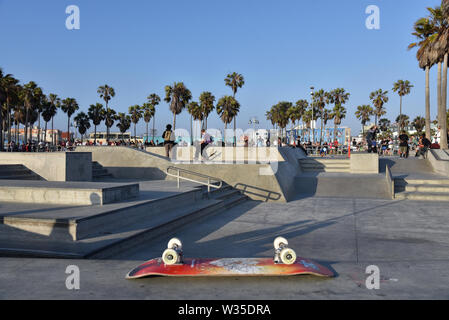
(281, 47)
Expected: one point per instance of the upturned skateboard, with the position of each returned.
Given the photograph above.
(284, 263)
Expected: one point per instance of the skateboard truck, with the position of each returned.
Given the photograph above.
(283, 254)
(173, 254)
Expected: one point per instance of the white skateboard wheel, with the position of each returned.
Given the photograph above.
(278, 241)
(174, 242)
(170, 257)
(288, 256)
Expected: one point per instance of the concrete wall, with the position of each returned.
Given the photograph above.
(267, 182)
(53, 166)
(221, 154)
(439, 161)
(364, 163)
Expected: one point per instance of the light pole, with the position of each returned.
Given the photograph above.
(311, 105)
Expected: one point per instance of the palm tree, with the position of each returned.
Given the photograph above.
(178, 96)
(384, 124)
(9, 91)
(207, 101)
(339, 113)
(338, 98)
(69, 106)
(402, 88)
(148, 113)
(124, 122)
(379, 98)
(48, 112)
(307, 119)
(235, 81)
(154, 100)
(196, 114)
(109, 118)
(419, 123)
(280, 113)
(227, 108)
(320, 99)
(106, 93)
(136, 113)
(295, 113)
(403, 121)
(55, 104)
(96, 114)
(29, 93)
(302, 106)
(364, 114)
(82, 123)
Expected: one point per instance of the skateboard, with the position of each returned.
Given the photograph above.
(284, 263)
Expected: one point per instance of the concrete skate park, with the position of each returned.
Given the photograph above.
(108, 209)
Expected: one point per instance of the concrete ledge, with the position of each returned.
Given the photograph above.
(439, 162)
(364, 163)
(390, 182)
(53, 166)
(67, 194)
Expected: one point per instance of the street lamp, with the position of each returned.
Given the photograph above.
(311, 104)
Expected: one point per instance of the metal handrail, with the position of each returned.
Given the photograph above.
(209, 179)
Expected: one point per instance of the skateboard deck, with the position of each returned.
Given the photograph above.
(229, 267)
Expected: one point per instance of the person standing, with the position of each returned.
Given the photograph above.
(403, 144)
(169, 140)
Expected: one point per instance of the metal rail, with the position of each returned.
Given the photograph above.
(209, 182)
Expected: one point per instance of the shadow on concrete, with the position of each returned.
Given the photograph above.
(267, 195)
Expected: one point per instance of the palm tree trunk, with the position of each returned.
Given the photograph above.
(68, 129)
(174, 122)
(235, 132)
(153, 129)
(26, 126)
(39, 127)
(400, 115)
(443, 139)
(52, 133)
(428, 134)
(148, 134)
(191, 130)
(45, 133)
(9, 121)
(135, 134)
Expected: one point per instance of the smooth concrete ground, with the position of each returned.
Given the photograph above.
(406, 240)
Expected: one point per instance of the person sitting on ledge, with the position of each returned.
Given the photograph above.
(424, 146)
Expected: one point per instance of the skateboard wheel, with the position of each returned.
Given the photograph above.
(278, 241)
(170, 257)
(288, 256)
(174, 242)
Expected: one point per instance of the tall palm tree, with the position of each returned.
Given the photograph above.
(235, 81)
(154, 100)
(55, 104)
(178, 96)
(30, 94)
(196, 114)
(207, 101)
(69, 106)
(295, 113)
(148, 113)
(106, 93)
(227, 108)
(364, 114)
(136, 113)
(379, 98)
(96, 114)
(280, 112)
(402, 88)
(82, 123)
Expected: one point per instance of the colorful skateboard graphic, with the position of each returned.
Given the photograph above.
(285, 263)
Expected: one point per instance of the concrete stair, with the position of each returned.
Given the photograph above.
(99, 172)
(325, 165)
(17, 172)
(107, 234)
(422, 189)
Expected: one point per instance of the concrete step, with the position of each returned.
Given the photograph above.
(66, 193)
(327, 169)
(186, 215)
(332, 165)
(403, 182)
(324, 161)
(422, 196)
(17, 172)
(426, 188)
